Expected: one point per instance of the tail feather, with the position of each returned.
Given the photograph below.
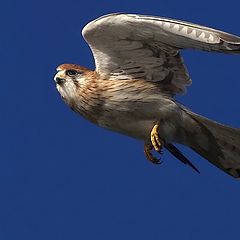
(218, 143)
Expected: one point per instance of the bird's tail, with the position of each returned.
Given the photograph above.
(219, 144)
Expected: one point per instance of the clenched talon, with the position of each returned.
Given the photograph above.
(148, 153)
(156, 142)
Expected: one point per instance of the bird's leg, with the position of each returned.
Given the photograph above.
(148, 147)
(156, 142)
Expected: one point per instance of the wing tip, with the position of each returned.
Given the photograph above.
(178, 154)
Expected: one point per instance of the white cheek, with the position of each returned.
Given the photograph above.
(67, 90)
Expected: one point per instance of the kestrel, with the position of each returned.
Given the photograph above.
(139, 71)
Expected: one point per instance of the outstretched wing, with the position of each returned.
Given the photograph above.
(130, 46)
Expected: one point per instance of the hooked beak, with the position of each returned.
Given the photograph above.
(59, 79)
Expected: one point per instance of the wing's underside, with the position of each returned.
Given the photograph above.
(130, 46)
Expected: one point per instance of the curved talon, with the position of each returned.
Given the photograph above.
(158, 144)
(147, 150)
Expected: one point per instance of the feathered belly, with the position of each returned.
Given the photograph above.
(139, 129)
(137, 120)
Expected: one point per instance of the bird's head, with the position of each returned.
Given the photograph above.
(69, 78)
(69, 73)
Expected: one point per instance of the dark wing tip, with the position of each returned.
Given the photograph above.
(175, 152)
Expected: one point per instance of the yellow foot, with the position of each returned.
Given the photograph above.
(156, 143)
(148, 153)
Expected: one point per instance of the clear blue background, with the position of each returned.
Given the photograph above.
(61, 177)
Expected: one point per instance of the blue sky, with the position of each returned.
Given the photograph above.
(61, 177)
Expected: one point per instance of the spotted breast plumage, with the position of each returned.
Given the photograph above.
(139, 70)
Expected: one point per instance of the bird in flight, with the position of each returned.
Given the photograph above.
(139, 71)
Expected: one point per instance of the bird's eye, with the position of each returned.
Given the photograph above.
(71, 72)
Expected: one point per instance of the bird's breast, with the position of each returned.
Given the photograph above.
(126, 107)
